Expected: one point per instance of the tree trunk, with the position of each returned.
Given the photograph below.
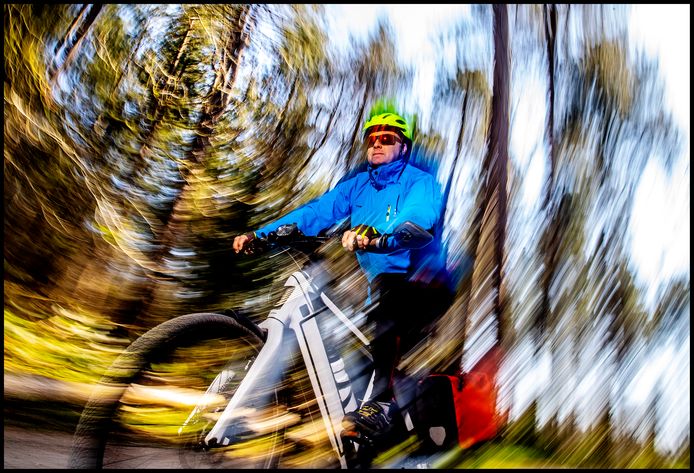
(71, 29)
(484, 316)
(551, 36)
(459, 142)
(333, 113)
(80, 35)
(458, 149)
(551, 246)
(349, 158)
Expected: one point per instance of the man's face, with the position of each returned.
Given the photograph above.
(379, 152)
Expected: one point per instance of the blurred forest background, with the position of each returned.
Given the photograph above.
(140, 139)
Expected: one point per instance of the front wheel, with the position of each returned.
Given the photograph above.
(151, 409)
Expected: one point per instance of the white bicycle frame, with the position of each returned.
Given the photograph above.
(294, 324)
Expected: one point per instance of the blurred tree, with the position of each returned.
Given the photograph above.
(590, 196)
(175, 234)
(282, 122)
(377, 75)
(487, 301)
(70, 43)
(553, 229)
(670, 316)
(95, 124)
(45, 200)
(462, 99)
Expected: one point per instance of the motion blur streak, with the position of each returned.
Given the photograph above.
(140, 139)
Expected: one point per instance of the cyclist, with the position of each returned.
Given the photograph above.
(411, 287)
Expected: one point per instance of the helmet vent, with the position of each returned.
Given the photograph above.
(389, 119)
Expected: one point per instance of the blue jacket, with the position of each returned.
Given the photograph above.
(381, 197)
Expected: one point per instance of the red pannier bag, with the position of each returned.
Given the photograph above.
(459, 409)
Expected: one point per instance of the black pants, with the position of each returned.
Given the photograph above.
(403, 312)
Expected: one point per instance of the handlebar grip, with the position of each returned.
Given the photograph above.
(407, 235)
(381, 244)
(287, 235)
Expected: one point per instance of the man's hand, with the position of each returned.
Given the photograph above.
(352, 242)
(241, 241)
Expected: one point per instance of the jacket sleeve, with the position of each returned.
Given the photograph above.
(422, 204)
(318, 214)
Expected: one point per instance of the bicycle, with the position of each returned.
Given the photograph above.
(240, 367)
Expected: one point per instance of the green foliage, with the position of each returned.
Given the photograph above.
(42, 348)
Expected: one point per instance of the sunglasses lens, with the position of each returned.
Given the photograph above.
(385, 140)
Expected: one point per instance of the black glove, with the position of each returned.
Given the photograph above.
(367, 231)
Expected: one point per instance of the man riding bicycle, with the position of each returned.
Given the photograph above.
(410, 286)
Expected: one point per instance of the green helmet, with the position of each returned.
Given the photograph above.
(389, 120)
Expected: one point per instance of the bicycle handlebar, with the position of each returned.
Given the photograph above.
(407, 235)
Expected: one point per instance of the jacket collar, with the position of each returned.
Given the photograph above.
(381, 176)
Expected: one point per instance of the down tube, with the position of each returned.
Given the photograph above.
(264, 373)
(322, 378)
